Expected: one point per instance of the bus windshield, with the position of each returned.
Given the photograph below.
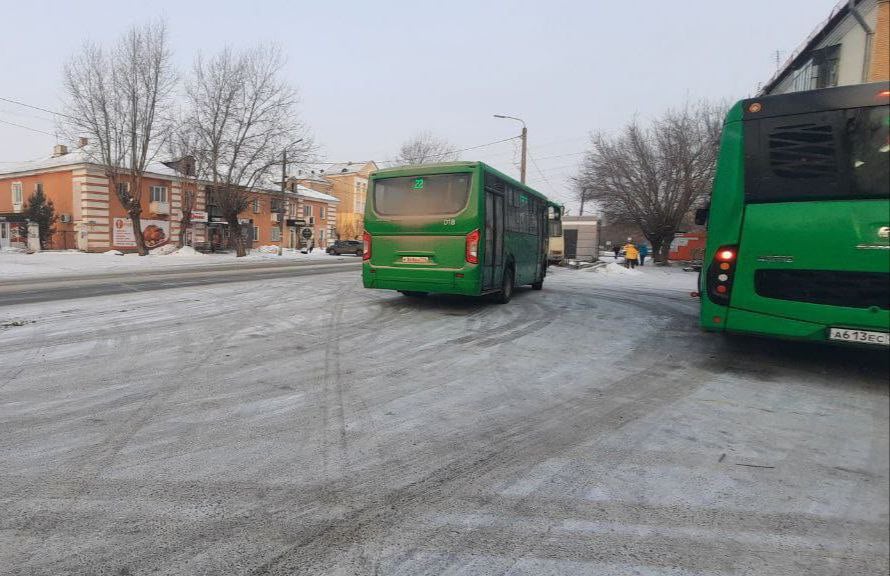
(434, 195)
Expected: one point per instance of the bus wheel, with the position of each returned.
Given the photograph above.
(506, 292)
(538, 285)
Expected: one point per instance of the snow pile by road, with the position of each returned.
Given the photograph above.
(16, 265)
(612, 274)
(185, 251)
(613, 268)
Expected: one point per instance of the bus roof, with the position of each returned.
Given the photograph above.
(445, 167)
(836, 98)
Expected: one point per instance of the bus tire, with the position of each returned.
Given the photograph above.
(539, 285)
(506, 292)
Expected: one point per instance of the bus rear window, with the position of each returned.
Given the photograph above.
(438, 194)
(824, 155)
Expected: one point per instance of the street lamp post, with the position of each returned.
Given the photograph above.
(524, 137)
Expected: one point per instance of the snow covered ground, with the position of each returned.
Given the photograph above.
(16, 265)
(305, 425)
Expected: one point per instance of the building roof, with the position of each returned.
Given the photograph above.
(74, 157)
(801, 54)
(345, 168)
(310, 194)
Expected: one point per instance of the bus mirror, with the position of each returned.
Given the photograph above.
(701, 216)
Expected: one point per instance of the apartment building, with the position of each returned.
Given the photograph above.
(851, 46)
(91, 218)
(348, 182)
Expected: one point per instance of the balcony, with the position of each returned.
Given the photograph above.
(159, 208)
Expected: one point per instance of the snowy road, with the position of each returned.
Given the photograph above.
(307, 426)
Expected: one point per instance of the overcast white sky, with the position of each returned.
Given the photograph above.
(371, 74)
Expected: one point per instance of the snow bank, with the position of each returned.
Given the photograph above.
(113, 253)
(185, 251)
(164, 250)
(613, 268)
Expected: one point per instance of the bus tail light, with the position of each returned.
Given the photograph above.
(721, 273)
(472, 254)
(366, 248)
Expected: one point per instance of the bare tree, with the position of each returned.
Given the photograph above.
(425, 148)
(244, 117)
(583, 194)
(651, 177)
(116, 98)
(182, 146)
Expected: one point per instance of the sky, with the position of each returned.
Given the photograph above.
(373, 74)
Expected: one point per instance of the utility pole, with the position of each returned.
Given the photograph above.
(282, 212)
(524, 153)
(524, 137)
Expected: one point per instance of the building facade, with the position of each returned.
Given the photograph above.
(91, 218)
(851, 46)
(348, 182)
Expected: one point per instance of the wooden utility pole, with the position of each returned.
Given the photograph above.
(524, 153)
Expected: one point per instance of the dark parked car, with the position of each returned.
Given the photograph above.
(341, 247)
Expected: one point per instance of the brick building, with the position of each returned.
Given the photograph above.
(91, 218)
(851, 46)
(348, 182)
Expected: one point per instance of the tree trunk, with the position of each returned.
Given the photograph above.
(236, 240)
(136, 221)
(183, 228)
(661, 248)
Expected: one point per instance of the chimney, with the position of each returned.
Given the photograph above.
(82, 142)
(59, 150)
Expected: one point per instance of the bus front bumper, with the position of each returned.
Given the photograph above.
(464, 281)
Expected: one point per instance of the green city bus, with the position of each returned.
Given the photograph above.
(454, 228)
(799, 218)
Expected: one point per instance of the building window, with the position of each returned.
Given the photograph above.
(276, 234)
(826, 61)
(277, 205)
(321, 212)
(256, 234)
(17, 193)
(123, 189)
(38, 187)
(256, 205)
(307, 210)
(158, 194)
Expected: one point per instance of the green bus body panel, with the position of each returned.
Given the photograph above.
(816, 236)
(804, 235)
(442, 241)
(727, 208)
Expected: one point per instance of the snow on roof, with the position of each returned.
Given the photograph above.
(315, 195)
(73, 157)
(344, 168)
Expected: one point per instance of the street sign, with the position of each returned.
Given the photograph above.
(306, 233)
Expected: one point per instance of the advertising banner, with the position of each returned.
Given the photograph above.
(155, 232)
(199, 216)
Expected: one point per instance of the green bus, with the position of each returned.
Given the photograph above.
(799, 218)
(454, 228)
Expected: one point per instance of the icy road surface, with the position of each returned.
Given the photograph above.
(308, 426)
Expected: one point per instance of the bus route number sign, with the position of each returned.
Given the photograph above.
(418, 183)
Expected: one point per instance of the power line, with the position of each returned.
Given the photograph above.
(11, 101)
(26, 127)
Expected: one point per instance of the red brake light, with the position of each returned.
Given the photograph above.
(884, 94)
(726, 255)
(472, 254)
(366, 249)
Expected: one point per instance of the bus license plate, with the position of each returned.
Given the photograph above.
(415, 259)
(859, 336)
